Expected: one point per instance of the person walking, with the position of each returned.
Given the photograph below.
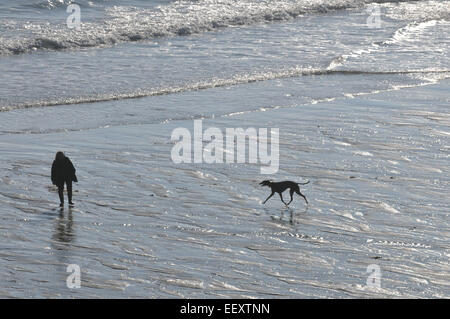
(63, 172)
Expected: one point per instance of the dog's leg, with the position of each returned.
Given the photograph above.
(291, 192)
(298, 192)
(268, 197)
(281, 196)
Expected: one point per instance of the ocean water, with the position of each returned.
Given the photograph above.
(361, 102)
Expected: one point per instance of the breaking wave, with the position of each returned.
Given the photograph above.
(215, 83)
(180, 18)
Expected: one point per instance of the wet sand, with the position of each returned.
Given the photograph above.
(146, 227)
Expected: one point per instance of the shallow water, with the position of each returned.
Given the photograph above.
(362, 113)
(145, 227)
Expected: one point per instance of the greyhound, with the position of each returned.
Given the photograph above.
(280, 187)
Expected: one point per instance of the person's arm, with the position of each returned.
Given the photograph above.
(72, 170)
(53, 177)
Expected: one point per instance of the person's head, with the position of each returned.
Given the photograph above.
(59, 156)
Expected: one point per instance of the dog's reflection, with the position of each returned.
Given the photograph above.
(288, 215)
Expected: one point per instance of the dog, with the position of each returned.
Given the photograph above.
(280, 187)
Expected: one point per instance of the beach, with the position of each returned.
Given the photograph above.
(145, 227)
(361, 113)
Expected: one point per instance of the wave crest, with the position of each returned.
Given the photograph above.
(237, 79)
(180, 18)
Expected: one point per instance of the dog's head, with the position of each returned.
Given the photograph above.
(266, 183)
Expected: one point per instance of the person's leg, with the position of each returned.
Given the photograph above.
(69, 191)
(61, 194)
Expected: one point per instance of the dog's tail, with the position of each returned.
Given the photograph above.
(303, 183)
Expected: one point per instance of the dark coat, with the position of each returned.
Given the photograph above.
(63, 171)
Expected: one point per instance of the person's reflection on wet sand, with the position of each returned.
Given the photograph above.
(64, 232)
(62, 250)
